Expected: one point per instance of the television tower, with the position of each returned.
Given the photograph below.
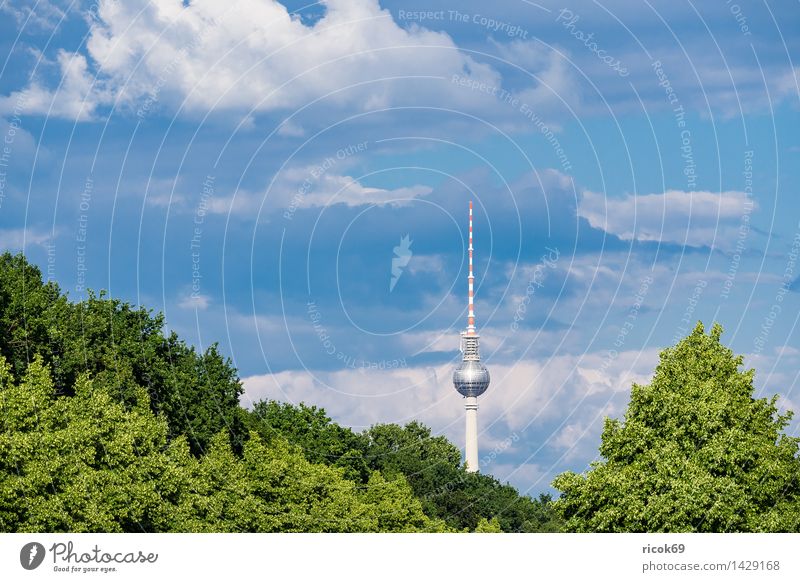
(471, 378)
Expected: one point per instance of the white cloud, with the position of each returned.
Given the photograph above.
(697, 219)
(21, 144)
(250, 54)
(75, 98)
(346, 190)
(18, 238)
(426, 264)
(291, 129)
(254, 56)
(195, 301)
(164, 193)
(325, 190)
(787, 84)
(41, 14)
(554, 81)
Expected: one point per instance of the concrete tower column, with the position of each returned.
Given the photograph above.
(471, 406)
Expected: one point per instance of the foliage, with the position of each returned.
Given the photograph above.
(78, 464)
(696, 452)
(89, 463)
(430, 464)
(313, 432)
(433, 467)
(488, 526)
(124, 347)
(110, 423)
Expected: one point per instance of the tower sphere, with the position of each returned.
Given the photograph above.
(471, 378)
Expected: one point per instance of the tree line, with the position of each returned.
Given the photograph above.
(109, 423)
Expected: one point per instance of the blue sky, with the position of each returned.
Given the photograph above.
(249, 167)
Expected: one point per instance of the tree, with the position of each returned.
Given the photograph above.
(80, 464)
(310, 429)
(432, 465)
(488, 526)
(696, 452)
(110, 423)
(28, 310)
(122, 346)
(425, 466)
(90, 463)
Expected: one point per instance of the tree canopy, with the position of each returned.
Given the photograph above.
(108, 422)
(126, 347)
(90, 463)
(430, 464)
(696, 452)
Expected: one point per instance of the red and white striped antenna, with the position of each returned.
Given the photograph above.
(471, 313)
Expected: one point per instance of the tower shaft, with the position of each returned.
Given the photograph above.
(471, 407)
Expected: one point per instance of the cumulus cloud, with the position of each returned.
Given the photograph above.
(254, 56)
(697, 219)
(77, 97)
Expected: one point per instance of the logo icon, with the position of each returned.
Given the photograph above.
(31, 555)
(402, 254)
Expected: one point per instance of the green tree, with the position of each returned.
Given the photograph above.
(89, 463)
(319, 438)
(113, 424)
(78, 464)
(696, 452)
(274, 488)
(432, 465)
(488, 526)
(28, 310)
(124, 347)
